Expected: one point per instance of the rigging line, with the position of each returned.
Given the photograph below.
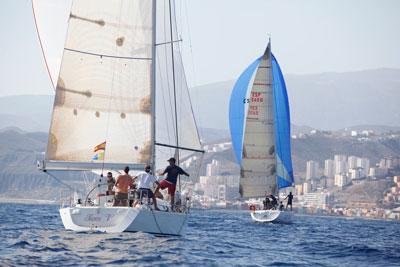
(167, 76)
(41, 46)
(173, 76)
(111, 91)
(174, 87)
(103, 55)
(61, 182)
(185, 80)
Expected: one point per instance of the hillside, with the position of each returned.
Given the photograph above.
(19, 151)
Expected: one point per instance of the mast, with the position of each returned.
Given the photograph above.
(174, 86)
(153, 87)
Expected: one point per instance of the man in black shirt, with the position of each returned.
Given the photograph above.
(289, 200)
(172, 172)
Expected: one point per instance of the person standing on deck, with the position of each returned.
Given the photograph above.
(145, 181)
(122, 184)
(172, 172)
(289, 200)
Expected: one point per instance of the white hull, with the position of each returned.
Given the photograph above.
(275, 216)
(123, 219)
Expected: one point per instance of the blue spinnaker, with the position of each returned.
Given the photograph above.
(284, 168)
(237, 108)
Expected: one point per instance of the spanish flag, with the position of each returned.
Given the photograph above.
(102, 146)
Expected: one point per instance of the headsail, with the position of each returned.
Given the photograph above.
(104, 86)
(172, 92)
(260, 128)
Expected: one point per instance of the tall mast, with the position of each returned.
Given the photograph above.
(174, 86)
(153, 86)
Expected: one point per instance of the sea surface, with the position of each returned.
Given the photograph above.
(34, 235)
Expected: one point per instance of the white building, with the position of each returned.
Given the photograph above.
(213, 169)
(364, 164)
(341, 180)
(315, 200)
(340, 164)
(312, 169)
(307, 187)
(222, 192)
(329, 170)
(377, 172)
(352, 162)
(355, 173)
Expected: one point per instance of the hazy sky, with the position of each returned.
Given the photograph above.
(309, 36)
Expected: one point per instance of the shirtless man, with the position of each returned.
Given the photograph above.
(122, 184)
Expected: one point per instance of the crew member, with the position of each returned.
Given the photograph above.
(172, 172)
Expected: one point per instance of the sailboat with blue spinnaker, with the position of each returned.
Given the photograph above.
(259, 121)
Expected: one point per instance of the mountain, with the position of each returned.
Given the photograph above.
(28, 112)
(329, 101)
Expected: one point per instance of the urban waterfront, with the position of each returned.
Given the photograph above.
(34, 235)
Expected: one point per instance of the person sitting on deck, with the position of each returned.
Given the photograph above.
(281, 206)
(267, 203)
(122, 184)
(145, 181)
(289, 200)
(172, 172)
(274, 202)
(110, 183)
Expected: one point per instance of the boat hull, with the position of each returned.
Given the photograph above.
(275, 216)
(123, 219)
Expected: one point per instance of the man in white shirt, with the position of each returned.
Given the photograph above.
(145, 181)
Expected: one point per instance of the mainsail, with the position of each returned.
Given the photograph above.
(260, 128)
(121, 84)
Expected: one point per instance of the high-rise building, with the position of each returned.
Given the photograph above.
(340, 164)
(341, 180)
(213, 169)
(352, 162)
(364, 164)
(312, 169)
(355, 173)
(329, 170)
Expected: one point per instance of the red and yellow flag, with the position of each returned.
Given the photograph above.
(101, 146)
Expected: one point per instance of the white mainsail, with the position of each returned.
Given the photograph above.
(258, 158)
(105, 87)
(103, 90)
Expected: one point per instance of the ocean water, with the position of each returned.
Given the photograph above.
(34, 235)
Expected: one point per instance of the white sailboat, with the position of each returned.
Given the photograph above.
(260, 132)
(121, 100)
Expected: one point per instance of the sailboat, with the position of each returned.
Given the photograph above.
(121, 100)
(260, 130)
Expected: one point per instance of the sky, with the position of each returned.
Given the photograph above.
(221, 37)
